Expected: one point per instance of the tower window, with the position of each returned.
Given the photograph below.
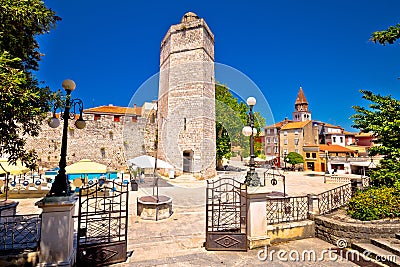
(184, 124)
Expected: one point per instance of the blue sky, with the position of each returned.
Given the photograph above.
(110, 48)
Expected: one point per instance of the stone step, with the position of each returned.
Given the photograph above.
(377, 254)
(390, 244)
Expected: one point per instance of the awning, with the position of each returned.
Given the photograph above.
(368, 164)
(149, 162)
(86, 166)
(12, 169)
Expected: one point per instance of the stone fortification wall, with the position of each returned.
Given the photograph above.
(104, 141)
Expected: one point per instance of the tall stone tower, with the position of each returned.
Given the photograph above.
(186, 98)
(301, 112)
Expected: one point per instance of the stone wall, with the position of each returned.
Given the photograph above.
(331, 229)
(104, 141)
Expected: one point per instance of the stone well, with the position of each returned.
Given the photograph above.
(153, 208)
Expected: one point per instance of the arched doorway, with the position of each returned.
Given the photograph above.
(187, 160)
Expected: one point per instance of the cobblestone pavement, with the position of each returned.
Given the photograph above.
(178, 240)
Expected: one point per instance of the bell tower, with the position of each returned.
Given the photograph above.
(301, 112)
(186, 97)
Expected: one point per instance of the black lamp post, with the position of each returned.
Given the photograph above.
(326, 162)
(60, 186)
(284, 158)
(252, 178)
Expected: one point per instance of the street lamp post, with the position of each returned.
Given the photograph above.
(326, 162)
(60, 186)
(252, 178)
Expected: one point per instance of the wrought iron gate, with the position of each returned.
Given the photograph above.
(102, 224)
(226, 215)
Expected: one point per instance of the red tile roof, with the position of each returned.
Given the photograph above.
(334, 148)
(278, 124)
(295, 125)
(114, 110)
(301, 98)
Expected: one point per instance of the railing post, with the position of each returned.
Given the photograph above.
(313, 203)
(257, 220)
(57, 231)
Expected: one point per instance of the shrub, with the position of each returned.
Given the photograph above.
(375, 204)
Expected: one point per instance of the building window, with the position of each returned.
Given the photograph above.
(268, 140)
(341, 139)
(285, 151)
(285, 141)
(268, 131)
(307, 155)
(275, 149)
(296, 141)
(275, 140)
(334, 139)
(296, 150)
(134, 119)
(97, 117)
(296, 132)
(275, 131)
(117, 118)
(314, 155)
(184, 124)
(284, 133)
(268, 150)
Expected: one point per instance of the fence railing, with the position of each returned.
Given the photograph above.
(19, 232)
(334, 198)
(337, 179)
(288, 209)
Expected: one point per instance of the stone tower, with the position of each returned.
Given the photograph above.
(301, 112)
(186, 97)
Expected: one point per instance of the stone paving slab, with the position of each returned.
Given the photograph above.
(179, 240)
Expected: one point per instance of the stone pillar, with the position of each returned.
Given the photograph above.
(257, 219)
(313, 209)
(356, 184)
(57, 232)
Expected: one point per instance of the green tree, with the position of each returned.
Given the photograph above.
(231, 117)
(382, 118)
(388, 36)
(23, 103)
(294, 158)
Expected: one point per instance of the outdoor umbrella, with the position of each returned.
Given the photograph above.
(149, 162)
(86, 166)
(12, 169)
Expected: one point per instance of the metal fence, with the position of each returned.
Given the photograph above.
(288, 209)
(334, 198)
(19, 233)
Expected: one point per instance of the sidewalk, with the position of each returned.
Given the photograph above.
(179, 240)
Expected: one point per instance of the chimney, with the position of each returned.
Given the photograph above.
(110, 105)
(134, 105)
